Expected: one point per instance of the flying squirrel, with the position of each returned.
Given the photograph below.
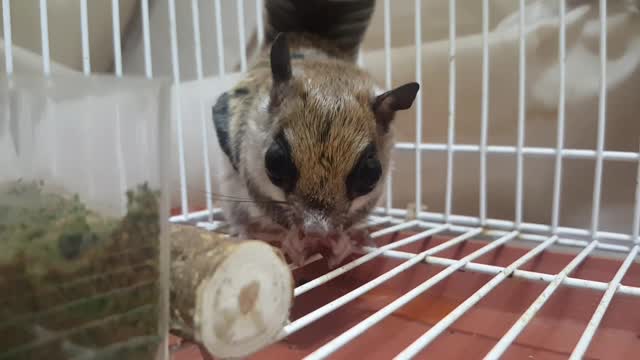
(306, 133)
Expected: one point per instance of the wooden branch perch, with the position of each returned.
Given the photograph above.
(232, 297)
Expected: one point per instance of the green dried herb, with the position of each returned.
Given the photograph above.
(73, 282)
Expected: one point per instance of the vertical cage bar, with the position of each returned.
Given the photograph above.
(148, 68)
(8, 45)
(259, 23)
(84, 30)
(521, 116)
(557, 181)
(219, 38)
(195, 14)
(485, 112)
(175, 61)
(592, 327)
(175, 64)
(379, 251)
(418, 152)
(197, 48)
(436, 330)
(387, 80)
(117, 60)
(117, 48)
(452, 109)
(635, 232)
(357, 330)
(86, 70)
(387, 44)
(44, 33)
(507, 339)
(602, 118)
(364, 288)
(241, 35)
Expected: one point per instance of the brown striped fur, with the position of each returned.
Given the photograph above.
(327, 111)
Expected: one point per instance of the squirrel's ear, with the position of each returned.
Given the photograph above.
(280, 69)
(280, 59)
(385, 105)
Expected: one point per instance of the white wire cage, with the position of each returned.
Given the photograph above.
(456, 230)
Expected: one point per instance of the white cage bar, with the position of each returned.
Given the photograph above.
(259, 22)
(527, 150)
(451, 130)
(148, 67)
(197, 43)
(557, 179)
(241, 37)
(523, 274)
(459, 229)
(602, 119)
(635, 232)
(44, 38)
(526, 317)
(117, 47)
(175, 66)
(521, 114)
(484, 126)
(456, 313)
(418, 104)
(84, 30)
(195, 16)
(387, 81)
(219, 38)
(8, 46)
(361, 327)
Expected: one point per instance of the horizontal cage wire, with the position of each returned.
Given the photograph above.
(410, 232)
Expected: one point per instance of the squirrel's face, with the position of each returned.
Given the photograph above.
(326, 155)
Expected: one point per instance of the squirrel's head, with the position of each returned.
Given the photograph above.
(326, 153)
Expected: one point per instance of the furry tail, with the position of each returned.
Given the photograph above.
(342, 22)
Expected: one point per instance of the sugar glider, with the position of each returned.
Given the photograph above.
(307, 136)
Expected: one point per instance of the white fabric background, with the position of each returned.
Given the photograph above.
(542, 88)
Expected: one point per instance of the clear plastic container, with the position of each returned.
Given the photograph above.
(83, 210)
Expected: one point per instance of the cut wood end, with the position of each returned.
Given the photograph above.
(245, 304)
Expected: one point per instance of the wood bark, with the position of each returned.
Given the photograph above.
(230, 296)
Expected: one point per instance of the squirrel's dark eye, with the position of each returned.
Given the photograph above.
(365, 174)
(279, 164)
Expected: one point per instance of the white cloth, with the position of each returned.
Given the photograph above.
(542, 98)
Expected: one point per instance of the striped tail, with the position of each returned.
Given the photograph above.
(341, 22)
